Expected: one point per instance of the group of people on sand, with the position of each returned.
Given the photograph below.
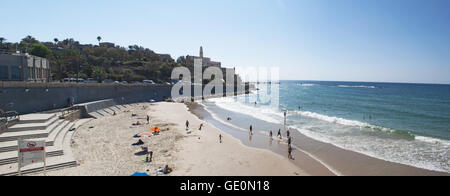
(279, 135)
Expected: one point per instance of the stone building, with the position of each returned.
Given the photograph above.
(24, 67)
(206, 62)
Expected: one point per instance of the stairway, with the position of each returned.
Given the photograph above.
(109, 111)
(57, 134)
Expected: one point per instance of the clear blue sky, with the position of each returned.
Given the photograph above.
(349, 40)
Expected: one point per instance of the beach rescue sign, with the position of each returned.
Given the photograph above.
(31, 152)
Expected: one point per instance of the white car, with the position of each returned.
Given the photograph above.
(148, 82)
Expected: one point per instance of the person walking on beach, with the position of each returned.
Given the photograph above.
(148, 119)
(289, 141)
(288, 134)
(290, 152)
(187, 125)
(220, 138)
(271, 134)
(251, 130)
(279, 134)
(201, 126)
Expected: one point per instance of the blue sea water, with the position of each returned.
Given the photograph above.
(403, 123)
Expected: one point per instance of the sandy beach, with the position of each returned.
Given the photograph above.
(102, 147)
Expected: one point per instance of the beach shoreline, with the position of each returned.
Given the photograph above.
(337, 160)
(102, 147)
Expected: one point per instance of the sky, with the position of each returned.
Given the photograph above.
(334, 40)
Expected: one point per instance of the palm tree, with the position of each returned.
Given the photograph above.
(2, 39)
(99, 39)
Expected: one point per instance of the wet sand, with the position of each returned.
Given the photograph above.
(315, 157)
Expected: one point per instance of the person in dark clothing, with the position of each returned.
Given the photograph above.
(148, 119)
(187, 125)
(279, 134)
(251, 130)
(288, 133)
(220, 138)
(271, 134)
(140, 142)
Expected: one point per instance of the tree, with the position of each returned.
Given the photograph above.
(30, 40)
(99, 39)
(98, 73)
(2, 39)
(40, 50)
(56, 41)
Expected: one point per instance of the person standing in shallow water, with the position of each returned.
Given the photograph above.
(251, 130)
(279, 134)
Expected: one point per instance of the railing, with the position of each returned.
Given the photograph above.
(67, 111)
(8, 119)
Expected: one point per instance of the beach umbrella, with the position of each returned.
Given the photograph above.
(145, 134)
(140, 174)
(155, 129)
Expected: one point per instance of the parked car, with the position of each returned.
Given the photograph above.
(108, 81)
(148, 82)
(90, 81)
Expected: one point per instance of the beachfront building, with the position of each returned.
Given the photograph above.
(24, 67)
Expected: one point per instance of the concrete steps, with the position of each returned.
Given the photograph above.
(32, 126)
(53, 163)
(12, 156)
(57, 134)
(35, 118)
(53, 142)
(11, 136)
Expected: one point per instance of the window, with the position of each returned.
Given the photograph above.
(15, 73)
(4, 72)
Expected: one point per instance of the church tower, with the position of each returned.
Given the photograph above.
(201, 52)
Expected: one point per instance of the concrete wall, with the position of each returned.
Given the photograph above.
(37, 99)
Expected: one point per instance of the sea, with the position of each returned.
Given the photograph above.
(396, 122)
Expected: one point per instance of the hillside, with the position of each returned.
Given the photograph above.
(69, 59)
